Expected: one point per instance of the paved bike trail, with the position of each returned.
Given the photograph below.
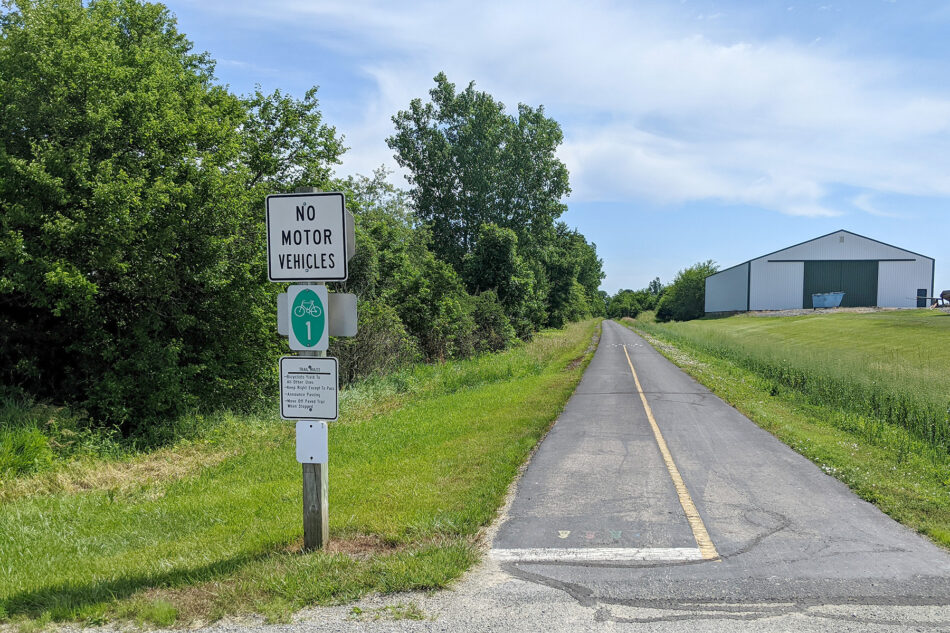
(598, 513)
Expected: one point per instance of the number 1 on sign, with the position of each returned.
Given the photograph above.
(309, 335)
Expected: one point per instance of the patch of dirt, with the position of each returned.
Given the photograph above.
(574, 364)
(196, 606)
(358, 546)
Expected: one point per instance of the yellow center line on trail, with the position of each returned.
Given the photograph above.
(705, 544)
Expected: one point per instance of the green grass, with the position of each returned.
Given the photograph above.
(419, 463)
(888, 463)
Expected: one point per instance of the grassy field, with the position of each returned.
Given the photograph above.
(419, 463)
(891, 365)
(865, 396)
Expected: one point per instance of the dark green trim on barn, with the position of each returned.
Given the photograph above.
(856, 278)
(790, 261)
(748, 286)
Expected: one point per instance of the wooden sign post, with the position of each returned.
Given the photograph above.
(310, 239)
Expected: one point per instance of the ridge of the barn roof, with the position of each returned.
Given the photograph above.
(815, 239)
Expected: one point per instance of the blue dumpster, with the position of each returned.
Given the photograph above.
(827, 299)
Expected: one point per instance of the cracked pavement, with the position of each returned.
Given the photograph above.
(797, 551)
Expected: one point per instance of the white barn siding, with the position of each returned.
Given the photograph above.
(841, 245)
(897, 282)
(776, 286)
(728, 290)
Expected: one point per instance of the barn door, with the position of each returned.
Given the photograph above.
(857, 279)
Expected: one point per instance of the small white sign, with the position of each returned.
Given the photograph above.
(308, 388)
(308, 318)
(306, 237)
(312, 442)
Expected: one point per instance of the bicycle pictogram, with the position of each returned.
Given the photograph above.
(308, 307)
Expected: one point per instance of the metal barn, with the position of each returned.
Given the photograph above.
(870, 273)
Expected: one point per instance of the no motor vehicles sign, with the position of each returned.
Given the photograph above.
(306, 237)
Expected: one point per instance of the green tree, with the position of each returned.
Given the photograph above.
(625, 303)
(131, 195)
(601, 303)
(685, 298)
(494, 265)
(471, 164)
(285, 144)
(573, 273)
(400, 271)
(630, 303)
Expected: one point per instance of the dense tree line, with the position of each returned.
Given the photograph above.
(132, 263)
(630, 303)
(682, 300)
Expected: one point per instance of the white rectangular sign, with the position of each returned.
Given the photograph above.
(312, 444)
(308, 388)
(343, 317)
(306, 237)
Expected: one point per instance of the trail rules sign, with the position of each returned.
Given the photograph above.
(308, 388)
(306, 237)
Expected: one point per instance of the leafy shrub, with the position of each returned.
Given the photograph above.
(380, 346)
(685, 298)
(495, 265)
(437, 311)
(574, 305)
(493, 331)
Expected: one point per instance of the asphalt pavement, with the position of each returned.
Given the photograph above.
(783, 529)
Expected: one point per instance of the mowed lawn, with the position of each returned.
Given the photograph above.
(906, 348)
(419, 462)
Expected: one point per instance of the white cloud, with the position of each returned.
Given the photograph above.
(864, 202)
(650, 106)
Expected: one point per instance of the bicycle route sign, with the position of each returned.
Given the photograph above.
(308, 388)
(306, 237)
(307, 312)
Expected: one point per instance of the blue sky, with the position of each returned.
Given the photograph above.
(693, 130)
